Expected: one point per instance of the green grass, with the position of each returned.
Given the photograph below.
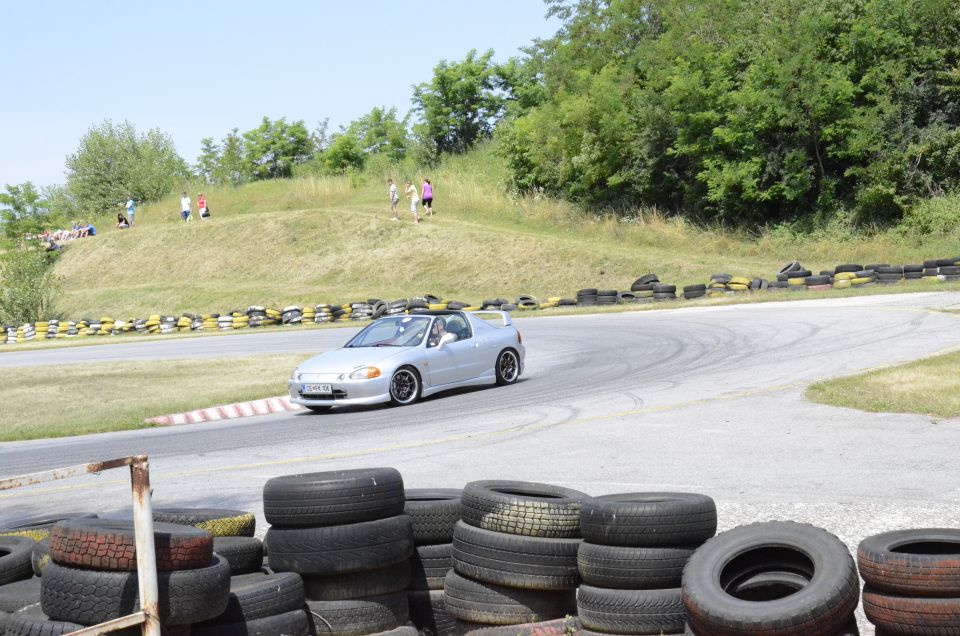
(77, 399)
(928, 387)
(309, 240)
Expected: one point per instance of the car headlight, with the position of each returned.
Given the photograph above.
(365, 373)
(293, 376)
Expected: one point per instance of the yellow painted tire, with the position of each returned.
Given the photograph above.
(739, 280)
(844, 276)
(473, 308)
(796, 281)
(861, 281)
(644, 294)
(843, 283)
(739, 286)
(437, 306)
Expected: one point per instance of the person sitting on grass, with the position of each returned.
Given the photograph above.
(122, 222)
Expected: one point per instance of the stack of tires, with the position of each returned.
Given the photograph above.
(323, 313)
(930, 270)
(844, 275)
(795, 276)
(912, 581)
(912, 272)
(309, 314)
(92, 574)
(361, 311)
(18, 587)
(695, 291)
(168, 324)
(26, 333)
(396, 307)
(890, 275)
(345, 533)
(783, 578)
(606, 297)
(434, 513)
(587, 297)
(261, 604)
(527, 302)
(11, 334)
(494, 303)
(635, 547)
(821, 282)
(514, 554)
(256, 315)
(664, 292)
(225, 323)
(291, 315)
(643, 286)
(864, 278)
(948, 273)
(340, 313)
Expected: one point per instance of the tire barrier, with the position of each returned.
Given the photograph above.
(498, 558)
(912, 581)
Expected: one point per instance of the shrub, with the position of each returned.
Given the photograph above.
(28, 285)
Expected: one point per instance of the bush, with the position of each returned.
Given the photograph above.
(29, 285)
(939, 216)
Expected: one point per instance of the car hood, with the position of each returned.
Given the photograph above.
(346, 360)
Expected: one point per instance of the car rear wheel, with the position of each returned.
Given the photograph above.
(319, 409)
(508, 367)
(404, 387)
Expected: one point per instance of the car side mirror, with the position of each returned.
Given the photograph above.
(446, 339)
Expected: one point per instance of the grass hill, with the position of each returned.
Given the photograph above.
(308, 240)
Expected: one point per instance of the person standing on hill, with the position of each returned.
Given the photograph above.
(202, 206)
(414, 197)
(394, 199)
(184, 207)
(427, 197)
(131, 208)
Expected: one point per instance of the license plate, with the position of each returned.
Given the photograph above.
(316, 388)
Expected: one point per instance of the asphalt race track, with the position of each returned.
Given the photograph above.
(706, 399)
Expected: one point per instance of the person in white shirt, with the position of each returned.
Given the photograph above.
(394, 199)
(184, 206)
(414, 196)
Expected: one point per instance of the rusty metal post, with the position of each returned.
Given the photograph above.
(146, 553)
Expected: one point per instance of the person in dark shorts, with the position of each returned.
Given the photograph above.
(426, 196)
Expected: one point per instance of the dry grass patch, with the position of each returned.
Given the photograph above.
(76, 399)
(928, 387)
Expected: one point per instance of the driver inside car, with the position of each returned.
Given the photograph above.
(438, 331)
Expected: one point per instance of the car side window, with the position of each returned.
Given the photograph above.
(459, 326)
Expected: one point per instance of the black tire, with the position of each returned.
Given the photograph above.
(791, 267)
(949, 270)
(520, 507)
(260, 595)
(626, 568)
(592, 291)
(631, 611)
(216, 521)
(648, 519)
(898, 270)
(850, 629)
(848, 268)
(16, 559)
(898, 614)
(40, 557)
(877, 266)
(333, 498)
(293, 623)
(477, 602)
(379, 308)
(405, 386)
(644, 287)
(664, 289)
(821, 608)
(558, 627)
(817, 280)
(530, 563)
(243, 554)
(694, 288)
(110, 545)
(507, 368)
(38, 528)
(434, 512)
(647, 279)
(338, 587)
(429, 566)
(428, 612)
(31, 621)
(16, 596)
(912, 269)
(921, 562)
(90, 597)
(356, 617)
(341, 549)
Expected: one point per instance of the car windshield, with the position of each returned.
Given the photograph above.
(396, 331)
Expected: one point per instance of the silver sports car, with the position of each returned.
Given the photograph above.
(400, 359)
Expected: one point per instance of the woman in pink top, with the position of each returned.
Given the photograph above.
(426, 195)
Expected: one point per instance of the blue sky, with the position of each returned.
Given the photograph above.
(198, 69)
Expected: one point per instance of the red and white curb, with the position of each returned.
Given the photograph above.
(265, 406)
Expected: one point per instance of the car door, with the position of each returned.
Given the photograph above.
(455, 361)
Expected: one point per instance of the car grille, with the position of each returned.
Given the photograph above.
(338, 394)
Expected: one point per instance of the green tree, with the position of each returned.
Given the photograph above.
(226, 162)
(23, 210)
(379, 132)
(272, 149)
(114, 162)
(29, 284)
(461, 103)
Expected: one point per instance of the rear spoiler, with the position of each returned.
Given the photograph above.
(503, 315)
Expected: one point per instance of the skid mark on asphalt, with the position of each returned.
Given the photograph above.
(439, 441)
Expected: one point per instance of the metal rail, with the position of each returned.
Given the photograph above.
(149, 614)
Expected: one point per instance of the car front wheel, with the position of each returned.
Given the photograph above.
(508, 367)
(404, 387)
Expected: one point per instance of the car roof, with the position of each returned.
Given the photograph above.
(433, 312)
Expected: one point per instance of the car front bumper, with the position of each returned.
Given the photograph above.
(345, 392)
